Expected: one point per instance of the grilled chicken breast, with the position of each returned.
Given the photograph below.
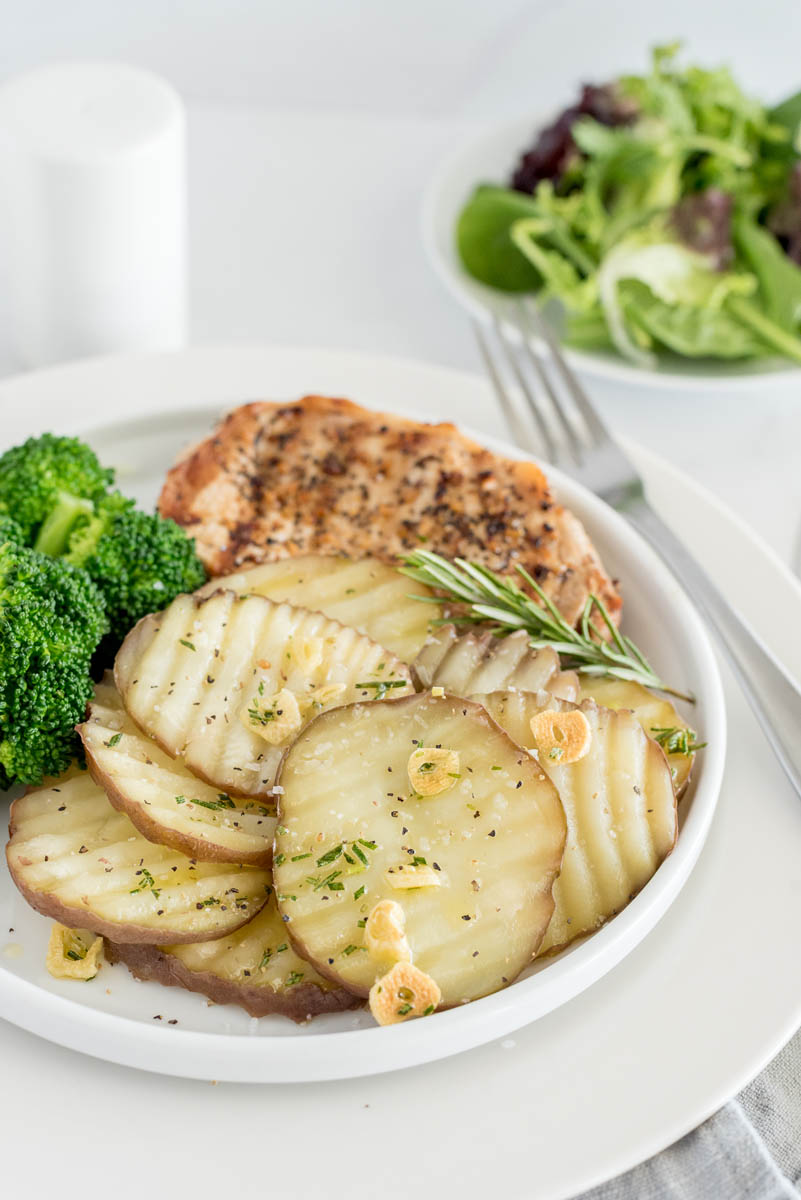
(326, 476)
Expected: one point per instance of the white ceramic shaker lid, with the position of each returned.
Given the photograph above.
(92, 211)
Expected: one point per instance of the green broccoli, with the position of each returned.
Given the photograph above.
(46, 483)
(140, 561)
(58, 493)
(52, 617)
(10, 531)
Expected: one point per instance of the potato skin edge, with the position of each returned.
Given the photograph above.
(80, 918)
(148, 962)
(199, 848)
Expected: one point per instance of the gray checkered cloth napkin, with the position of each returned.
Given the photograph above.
(750, 1150)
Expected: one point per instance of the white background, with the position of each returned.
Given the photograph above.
(314, 126)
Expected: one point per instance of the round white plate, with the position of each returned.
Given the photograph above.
(489, 158)
(597, 1085)
(221, 1040)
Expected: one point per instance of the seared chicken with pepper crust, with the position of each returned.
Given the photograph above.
(324, 476)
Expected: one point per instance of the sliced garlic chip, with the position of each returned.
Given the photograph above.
(561, 737)
(73, 953)
(276, 719)
(414, 876)
(403, 992)
(385, 933)
(433, 769)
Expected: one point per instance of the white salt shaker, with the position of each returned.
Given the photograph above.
(92, 211)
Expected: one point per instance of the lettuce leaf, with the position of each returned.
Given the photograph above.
(673, 274)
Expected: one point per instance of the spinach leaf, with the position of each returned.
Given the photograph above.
(779, 278)
(484, 243)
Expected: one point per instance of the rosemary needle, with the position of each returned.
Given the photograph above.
(493, 600)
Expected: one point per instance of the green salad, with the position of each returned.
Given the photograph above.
(663, 212)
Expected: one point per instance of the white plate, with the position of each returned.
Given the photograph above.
(222, 1041)
(489, 158)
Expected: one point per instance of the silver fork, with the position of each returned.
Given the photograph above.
(574, 438)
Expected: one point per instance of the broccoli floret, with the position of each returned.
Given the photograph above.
(10, 531)
(140, 561)
(52, 617)
(46, 483)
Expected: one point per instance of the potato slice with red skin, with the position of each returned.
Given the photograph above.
(653, 712)
(76, 859)
(367, 595)
(348, 822)
(255, 967)
(200, 678)
(468, 663)
(165, 801)
(620, 806)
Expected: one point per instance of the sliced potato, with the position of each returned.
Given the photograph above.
(79, 861)
(653, 713)
(367, 595)
(620, 806)
(478, 662)
(255, 967)
(165, 801)
(350, 826)
(205, 679)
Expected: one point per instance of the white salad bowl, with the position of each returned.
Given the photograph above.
(489, 157)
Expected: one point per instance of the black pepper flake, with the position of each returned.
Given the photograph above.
(465, 916)
(491, 833)
(475, 954)
(174, 1021)
(519, 784)
(157, 1017)
(436, 866)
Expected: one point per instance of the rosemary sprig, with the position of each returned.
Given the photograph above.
(491, 599)
(676, 741)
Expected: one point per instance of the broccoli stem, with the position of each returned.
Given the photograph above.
(56, 528)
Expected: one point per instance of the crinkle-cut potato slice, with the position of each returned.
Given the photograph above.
(208, 678)
(349, 825)
(79, 861)
(620, 806)
(165, 801)
(365, 594)
(479, 662)
(653, 713)
(255, 967)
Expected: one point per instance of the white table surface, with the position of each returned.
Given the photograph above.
(305, 231)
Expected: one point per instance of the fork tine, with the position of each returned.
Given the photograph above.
(594, 423)
(519, 432)
(510, 351)
(542, 375)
